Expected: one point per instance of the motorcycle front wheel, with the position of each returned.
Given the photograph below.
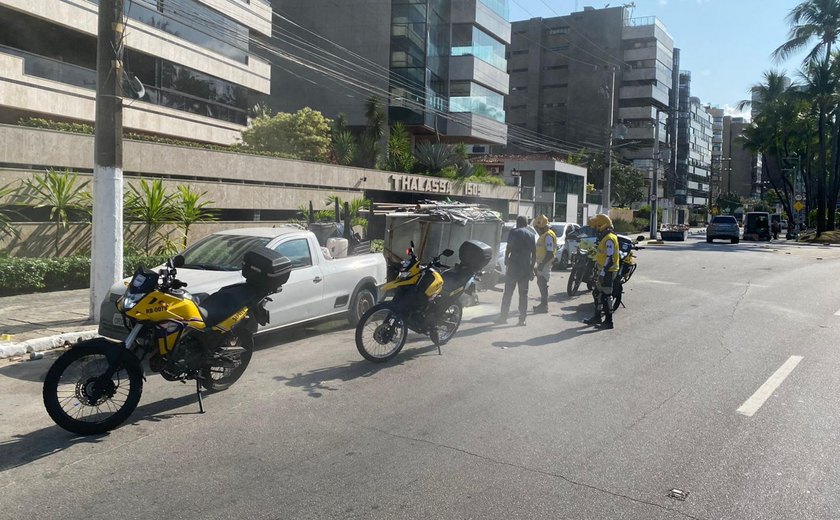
(229, 362)
(381, 333)
(81, 400)
(447, 325)
(575, 278)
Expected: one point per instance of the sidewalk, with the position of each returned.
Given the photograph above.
(42, 321)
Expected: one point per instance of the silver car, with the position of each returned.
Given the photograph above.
(723, 227)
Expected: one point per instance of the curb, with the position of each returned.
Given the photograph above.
(44, 344)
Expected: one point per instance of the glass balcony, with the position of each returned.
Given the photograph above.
(500, 7)
(48, 68)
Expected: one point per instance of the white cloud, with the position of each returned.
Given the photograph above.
(733, 111)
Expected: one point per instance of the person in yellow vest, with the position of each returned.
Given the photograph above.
(546, 249)
(607, 260)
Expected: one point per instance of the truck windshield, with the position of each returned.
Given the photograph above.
(221, 252)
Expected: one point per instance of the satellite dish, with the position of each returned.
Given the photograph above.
(135, 86)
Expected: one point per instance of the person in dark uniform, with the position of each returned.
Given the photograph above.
(520, 257)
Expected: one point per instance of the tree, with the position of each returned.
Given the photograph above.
(434, 157)
(190, 208)
(149, 203)
(303, 135)
(399, 157)
(343, 144)
(6, 213)
(63, 193)
(356, 207)
(816, 20)
(627, 184)
(369, 142)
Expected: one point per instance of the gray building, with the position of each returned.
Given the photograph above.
(738, 163)
(717, 150)
(562, 71)
(439, 65)
(694, 149)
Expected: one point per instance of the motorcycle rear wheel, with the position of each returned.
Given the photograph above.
(448, 325)
(75, 379)
(381, 333)
(237, 349)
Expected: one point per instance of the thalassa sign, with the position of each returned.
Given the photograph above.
(430, 185)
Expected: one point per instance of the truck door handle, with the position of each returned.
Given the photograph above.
(317, 279)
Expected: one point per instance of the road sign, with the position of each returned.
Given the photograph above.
(798, 196)
(798, 206)
(652, 197)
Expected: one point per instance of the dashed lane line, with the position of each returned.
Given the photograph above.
(752, 405)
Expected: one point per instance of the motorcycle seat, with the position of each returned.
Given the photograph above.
(455, 278)
(221, 305)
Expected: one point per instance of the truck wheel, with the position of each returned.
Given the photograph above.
(359, 305)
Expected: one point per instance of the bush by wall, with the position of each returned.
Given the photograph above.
(28, 275)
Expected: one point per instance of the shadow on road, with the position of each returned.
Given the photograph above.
(30, 447)
(548, 339)
(316, 382)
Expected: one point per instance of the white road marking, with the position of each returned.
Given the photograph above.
(744, 284)
(837, 313)
(761, 395)
(660, 282)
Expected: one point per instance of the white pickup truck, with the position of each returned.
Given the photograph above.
(318, 287)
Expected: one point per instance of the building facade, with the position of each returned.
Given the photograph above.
(717, 151)
(439, 65)
(738, 163)
(192, 58)
(694, 149)
(562, 86)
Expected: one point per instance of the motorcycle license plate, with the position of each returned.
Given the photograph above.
(117, 320)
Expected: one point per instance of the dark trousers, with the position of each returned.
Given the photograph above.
(542, 283)
(603, 302)
(510, 283)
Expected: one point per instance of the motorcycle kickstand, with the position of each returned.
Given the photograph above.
(198, 393)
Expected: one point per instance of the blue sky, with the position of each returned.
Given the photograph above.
(726, 44)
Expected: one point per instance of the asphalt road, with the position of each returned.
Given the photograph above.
(554, 420)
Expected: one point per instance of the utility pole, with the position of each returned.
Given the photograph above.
(607, 202)
(106, 260)
(654, 191)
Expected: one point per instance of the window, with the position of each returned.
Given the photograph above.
(517, 53)
(518, 70)
(549, 180)
(297, 251)
(518, 89)
(517, 107)
(557, 30)
(556, 85)
(553, 105)
(556, 48)
(556, 67)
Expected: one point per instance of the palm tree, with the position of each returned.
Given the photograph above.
(190, 208)
(60, 191)
(149, 203)
(815, 20)
(6, 214)
(368, 150)
(435, 156)
(343, 148)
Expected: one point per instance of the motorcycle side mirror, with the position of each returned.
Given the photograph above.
(178, 261)
(447, 253)
(640, 238)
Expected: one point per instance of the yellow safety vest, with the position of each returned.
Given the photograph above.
(546, 244)
(607, 257)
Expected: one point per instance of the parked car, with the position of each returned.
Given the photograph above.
(563, 255)
(318, 287)
(723, 227)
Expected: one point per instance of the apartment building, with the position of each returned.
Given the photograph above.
(439, 65)
(192, 57)
(717, 150)
(561, 78)
(694, 149)
(739, 164)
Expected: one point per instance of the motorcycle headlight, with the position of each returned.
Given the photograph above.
(129, 300)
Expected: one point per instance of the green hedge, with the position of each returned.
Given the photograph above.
(28, 275)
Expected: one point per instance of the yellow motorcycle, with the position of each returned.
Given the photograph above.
(426, 299)
(96, 385)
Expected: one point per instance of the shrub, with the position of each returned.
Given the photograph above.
(27, 275)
